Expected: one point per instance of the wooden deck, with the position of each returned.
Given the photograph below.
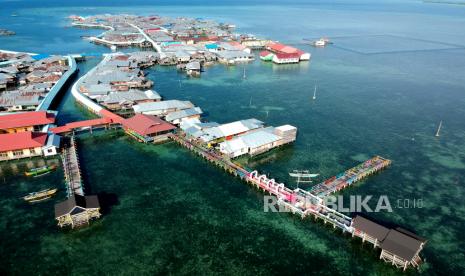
(72, 170)
(349, 177)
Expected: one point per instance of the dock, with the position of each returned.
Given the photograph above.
(72, 170)
(297, 201)
(78, 209)
(311, 203)
(349, 177)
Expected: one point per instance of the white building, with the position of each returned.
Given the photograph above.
(162, 108)
(52, 146)
(252, 143)
(178, 116)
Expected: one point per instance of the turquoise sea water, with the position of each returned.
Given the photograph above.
(395, 70)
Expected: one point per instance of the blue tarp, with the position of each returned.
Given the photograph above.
(211, 46)
(40, 56)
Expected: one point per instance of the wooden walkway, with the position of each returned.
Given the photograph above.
(71, 169)
(347, 178)
(296, 201)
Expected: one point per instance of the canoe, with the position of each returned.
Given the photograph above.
(40, 171)
(40, 196)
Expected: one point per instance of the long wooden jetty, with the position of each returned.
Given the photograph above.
(72, 170)
(349, 177)
(297, 201)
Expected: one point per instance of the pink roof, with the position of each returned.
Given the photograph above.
(264, 53)
(22, 140)
(288, 55)
(278, 47)
(146, 124)
(274, 46)
(112, 116)
(35, 118)
(237, 45)
(79, 124)
(289, 50)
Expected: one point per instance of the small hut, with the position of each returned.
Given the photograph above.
(77, 210)
(398, 246)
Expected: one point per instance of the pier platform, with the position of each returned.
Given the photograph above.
(349, 177)
(72, 170)
(296, 201)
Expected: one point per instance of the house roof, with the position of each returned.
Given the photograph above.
(34, 118)
(22, 140)
(230, 129)
(146, 124)
(163, 105)
(251, 140)
(401, 244)
(371, 228)
(265, 53)
(130, 96)
(79, 124)
(287, 55)
(183, 114)
(68, 205)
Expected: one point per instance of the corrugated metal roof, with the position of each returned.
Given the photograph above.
(183, 113)
(163, 105)
(229, 129)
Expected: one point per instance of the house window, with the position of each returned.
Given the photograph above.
(18, 152)
(50, 150)
(32, 150)
(3, 154)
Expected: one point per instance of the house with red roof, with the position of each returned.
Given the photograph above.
(282, 58)
(27, 144)
(287, 53)
(27, 121)
(147, 128)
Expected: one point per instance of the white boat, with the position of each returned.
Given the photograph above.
(113, 48)
(439, 129)
(322, 42)
(314, 93)
(303, 174)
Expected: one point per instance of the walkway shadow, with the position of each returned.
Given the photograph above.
(107, 201)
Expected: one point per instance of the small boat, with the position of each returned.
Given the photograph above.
(314, 94)
(304, 174)
(322, 42)
(40, 171)
(40, 196)
(113, 48)
(439, 129)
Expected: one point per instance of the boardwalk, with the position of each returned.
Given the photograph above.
(148, 38)
(296, 201)
(350, 176)
(71, 169)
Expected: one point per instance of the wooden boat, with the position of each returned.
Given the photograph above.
(40, 196)
(40, 171)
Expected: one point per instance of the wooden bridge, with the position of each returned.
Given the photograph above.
(72, 170)
(296, 201)
(347, 178)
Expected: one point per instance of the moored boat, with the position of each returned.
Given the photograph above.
(40, 171)
(40, 196)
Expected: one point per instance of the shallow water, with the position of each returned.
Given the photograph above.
(171, 212)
